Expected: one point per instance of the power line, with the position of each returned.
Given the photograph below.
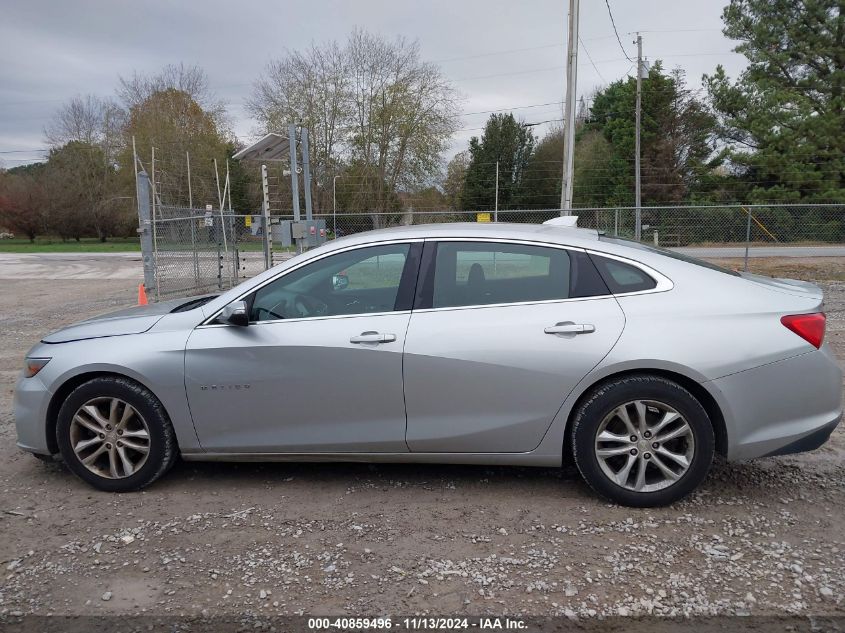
(590, 57)
(613, 22)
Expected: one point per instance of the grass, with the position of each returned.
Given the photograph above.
(56, 245)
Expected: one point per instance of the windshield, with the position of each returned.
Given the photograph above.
(667, 253)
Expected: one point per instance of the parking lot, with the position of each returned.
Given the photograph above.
(760, 538)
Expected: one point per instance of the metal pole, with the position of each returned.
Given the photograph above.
(569, 118)
(265, 213)
(232, 231)
(145, 230)
(294, 177)
(496, 207)
(334, 206)
(135, 165)
(306, 174)
(637, 185)
(220, 199)
(155, 233)
(191, 220)
(747, 236)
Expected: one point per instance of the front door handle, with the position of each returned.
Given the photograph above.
(373, 337)
(568, 327)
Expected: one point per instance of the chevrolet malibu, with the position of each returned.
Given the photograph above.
(516, 344)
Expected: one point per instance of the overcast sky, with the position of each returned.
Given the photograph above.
(498, 53)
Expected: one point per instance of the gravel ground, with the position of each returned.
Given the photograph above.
(759, 538)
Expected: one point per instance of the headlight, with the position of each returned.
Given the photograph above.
(33, 366)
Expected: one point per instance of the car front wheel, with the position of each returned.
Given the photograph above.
(115, 434)
(642, 441)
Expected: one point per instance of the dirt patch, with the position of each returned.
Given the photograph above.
(760, 538)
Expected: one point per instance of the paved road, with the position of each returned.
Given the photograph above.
(764, 251)
(71, 266)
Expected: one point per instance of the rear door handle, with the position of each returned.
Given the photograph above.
(571, 328)
(373, 337)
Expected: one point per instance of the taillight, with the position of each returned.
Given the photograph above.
(810, 327)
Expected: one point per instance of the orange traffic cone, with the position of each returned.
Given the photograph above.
(142, 295)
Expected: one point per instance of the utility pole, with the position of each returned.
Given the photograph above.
(569, 118)
(496, 204)
(637, 186)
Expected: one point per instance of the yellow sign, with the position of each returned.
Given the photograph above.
(482, 217)
(248, 221)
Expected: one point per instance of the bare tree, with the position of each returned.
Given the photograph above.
(310, 88)
(404, 111)
(190, 80)
(90, 120)
(372, 103)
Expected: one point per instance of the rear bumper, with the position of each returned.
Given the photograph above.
(785, 407)
(809, 442)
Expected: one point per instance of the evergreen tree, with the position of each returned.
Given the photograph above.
(507, 141)
(784, 118)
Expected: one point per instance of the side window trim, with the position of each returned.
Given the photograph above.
(424, 297)
(409, 278)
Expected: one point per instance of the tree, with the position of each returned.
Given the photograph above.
(173, 122)
(358, 185)
(83, 192)
(86, 136)
(508, 142)
(541, 185)
(310, 88)
(90, 120)
(783, 119)
(677, 141)
(22, 203)
(373, 104)
(404, 112)
(453, 185)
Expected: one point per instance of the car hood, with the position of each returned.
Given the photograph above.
(789, 286)
(127, 321)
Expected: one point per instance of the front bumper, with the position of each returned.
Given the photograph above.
(30, 408)
(789, 406)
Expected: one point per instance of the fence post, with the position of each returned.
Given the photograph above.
(747, 236)
(265, 218)
(145, 231)
(192, 223)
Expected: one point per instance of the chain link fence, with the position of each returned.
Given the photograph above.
(199, 251)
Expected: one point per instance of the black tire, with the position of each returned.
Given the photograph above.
(163, 448)
(602, 401)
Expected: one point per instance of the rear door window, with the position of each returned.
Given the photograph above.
(487, 273)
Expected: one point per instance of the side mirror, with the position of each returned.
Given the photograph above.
(235, 314)
(340, 281)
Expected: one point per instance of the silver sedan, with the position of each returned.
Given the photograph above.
(461, 343)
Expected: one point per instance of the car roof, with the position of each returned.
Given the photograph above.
(564, 235)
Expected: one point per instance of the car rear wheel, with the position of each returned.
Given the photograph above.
(642, 441)
(115, 434)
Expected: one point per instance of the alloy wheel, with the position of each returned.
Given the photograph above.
(644, 445)
(110, 438)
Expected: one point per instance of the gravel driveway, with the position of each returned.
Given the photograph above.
(759, 538)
